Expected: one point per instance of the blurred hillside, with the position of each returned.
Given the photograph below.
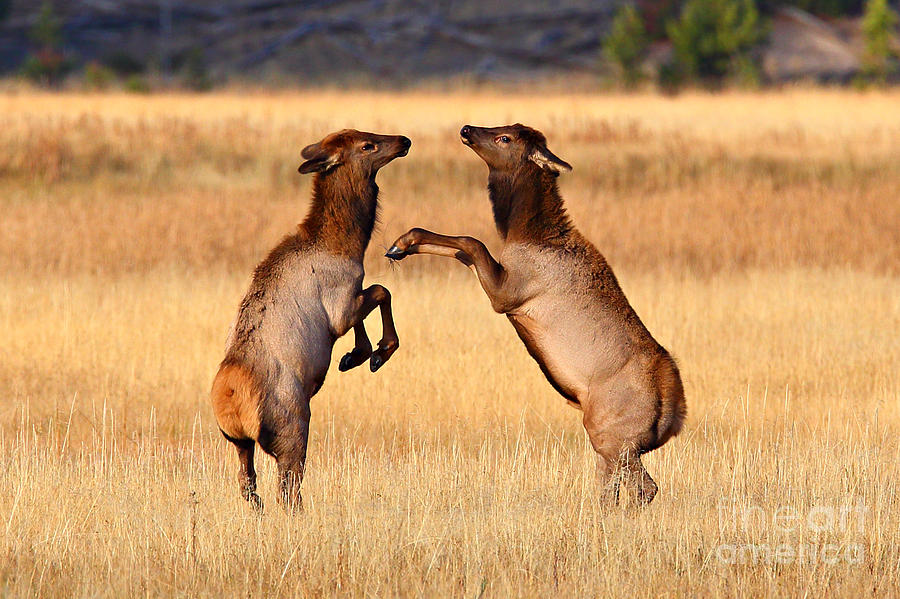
(317, 40)
(391, 42)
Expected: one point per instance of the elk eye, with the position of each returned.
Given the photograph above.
(505, 139)
(368, 147)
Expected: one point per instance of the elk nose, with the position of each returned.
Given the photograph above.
(465, 132)
(405, 141)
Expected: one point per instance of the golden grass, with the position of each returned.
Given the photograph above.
(757, 236)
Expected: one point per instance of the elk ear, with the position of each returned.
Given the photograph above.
(318, 159)
(549, 161)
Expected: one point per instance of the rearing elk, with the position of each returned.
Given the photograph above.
(566, 305)
(304, 295)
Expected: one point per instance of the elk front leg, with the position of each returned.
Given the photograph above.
(370, 298)
(467, 250)
(361, 352)
(376, 295)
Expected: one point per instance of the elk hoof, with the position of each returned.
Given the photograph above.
(354, 358)
(385, 350)
(255, 502)
(396, 253)
(646, 492)
(294, 507)
(346, 363)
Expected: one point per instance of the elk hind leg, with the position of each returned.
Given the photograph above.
(622, 464)
(618, 439)
(290, 472)
(608, 454)
(247, 474)
(611, 473)
(289, 449)
(639, 479)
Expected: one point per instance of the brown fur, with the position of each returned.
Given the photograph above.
(304, 295)
(337, 219)
(671, 393)
(567, 307)
(235, 402)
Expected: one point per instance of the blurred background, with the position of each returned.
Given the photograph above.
(738, 164)
(145, 44)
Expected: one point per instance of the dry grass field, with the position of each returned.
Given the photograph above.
(758, 236)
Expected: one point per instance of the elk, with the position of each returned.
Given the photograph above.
(566, 305)
(304, 295)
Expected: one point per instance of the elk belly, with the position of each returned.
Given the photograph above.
(547, 349)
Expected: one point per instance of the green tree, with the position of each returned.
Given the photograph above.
(47, 31)
(47, 64)
(879, 26)
(713, 38)
(195, 72)
(626, 44)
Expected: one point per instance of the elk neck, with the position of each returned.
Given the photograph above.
(343, 213)
(527, 206)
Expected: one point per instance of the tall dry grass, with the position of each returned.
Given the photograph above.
(757, 236)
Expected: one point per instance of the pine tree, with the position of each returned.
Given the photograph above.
(879, 26)
(47, 64)
(626, 44)
(46, 30)
(711, 37)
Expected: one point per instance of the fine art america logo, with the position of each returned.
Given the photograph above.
(800, 534)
